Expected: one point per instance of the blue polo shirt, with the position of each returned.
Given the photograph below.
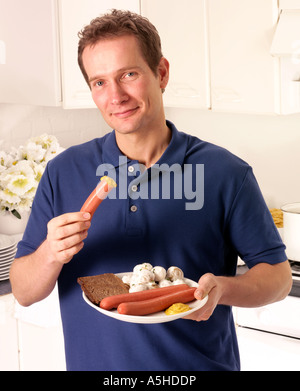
(198, 208)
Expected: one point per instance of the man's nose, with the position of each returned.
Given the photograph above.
(118, 95)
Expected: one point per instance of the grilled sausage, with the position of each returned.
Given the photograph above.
(150, 306)
(110, 302)
(98, 195)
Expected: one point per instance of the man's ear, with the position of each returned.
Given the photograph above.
(163, 72)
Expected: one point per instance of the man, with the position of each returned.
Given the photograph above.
(120, 56)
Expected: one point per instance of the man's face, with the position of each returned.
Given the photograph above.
(123, 86)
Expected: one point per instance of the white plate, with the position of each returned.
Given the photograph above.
(4, 277)
(8, 251)
(4, 272)
(8, 256)
(5, 267)
(6, 241)
(158, 317)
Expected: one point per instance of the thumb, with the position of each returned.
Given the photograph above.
(205, 284)
(199, 294)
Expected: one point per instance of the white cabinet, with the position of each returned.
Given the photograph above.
(39, 50)
(219, 53)
(33, 341)
(9, 356)
(74, 15)
(286, 47)
(41, 348)
(261, 351)
(183, 31)
(30, 71)
(244, 76)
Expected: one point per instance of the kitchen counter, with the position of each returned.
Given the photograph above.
(30, 341)
(295, 291)
(5, 287)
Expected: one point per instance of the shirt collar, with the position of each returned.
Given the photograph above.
(174, 153)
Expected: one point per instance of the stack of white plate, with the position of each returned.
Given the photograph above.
(8, 248)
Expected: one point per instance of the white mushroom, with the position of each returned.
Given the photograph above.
(142, 277)
(142, 266)
(164, 283)
(151, 285)
(138, 288)
(174, 273)
(179, 281)
(127, 278)
(159, 273)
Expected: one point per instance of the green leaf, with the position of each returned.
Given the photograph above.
(16, 214)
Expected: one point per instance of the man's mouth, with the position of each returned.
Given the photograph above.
(125, 113)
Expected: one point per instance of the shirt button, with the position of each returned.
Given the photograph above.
(133, 208)
(134, 188)
(131, 169)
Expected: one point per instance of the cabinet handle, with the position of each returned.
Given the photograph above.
(226, 95)
(183, 90)
(2, 53)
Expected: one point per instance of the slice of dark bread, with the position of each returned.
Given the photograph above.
(102, 285)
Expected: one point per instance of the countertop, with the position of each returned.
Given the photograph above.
(5, 287)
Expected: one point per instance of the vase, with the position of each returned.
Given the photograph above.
(11, 225)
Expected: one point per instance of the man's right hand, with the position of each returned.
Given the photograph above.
(66, 234)
(34, 276)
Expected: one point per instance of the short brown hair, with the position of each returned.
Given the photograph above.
(118, 23)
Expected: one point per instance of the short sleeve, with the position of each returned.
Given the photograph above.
(251, 227)
(41, 213)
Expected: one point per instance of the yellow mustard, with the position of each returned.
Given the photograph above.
(177, 308)
(109, 181)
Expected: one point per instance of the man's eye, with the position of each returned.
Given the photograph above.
(99, 83)
(130, 75)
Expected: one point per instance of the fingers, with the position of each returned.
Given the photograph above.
(66, 234)
(207, 285)
(68, 218)
(64, 226)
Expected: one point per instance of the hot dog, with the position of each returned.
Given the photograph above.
(98, 195)
(146, 307)
(113, 301)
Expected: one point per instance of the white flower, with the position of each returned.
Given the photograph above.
(19, 178)
(38, 171)
(6, 160)
(21, 170)
(8, 198)
(40, 149)
(33, 152)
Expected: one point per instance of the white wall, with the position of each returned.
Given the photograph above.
(20, 122)
(270, 144)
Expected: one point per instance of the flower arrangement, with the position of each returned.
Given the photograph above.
(21, 170)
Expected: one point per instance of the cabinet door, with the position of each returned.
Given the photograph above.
(9, 356)
(41, 348)
(182, 28)
(242, 69)
(29, 72)
(74, 15)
